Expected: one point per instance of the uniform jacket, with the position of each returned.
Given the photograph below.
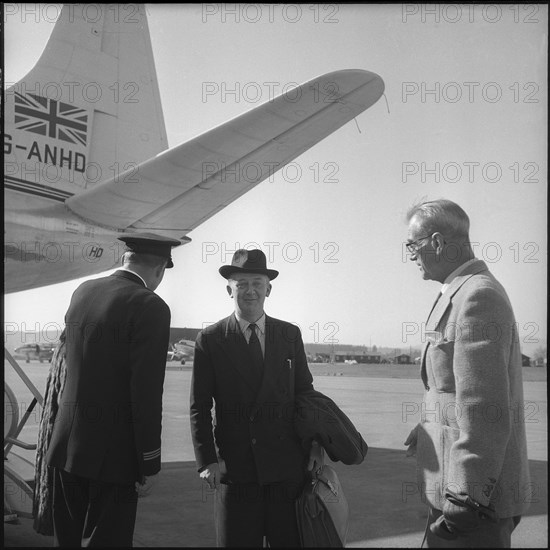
(472, 435)
(108, 425)
(253, 438)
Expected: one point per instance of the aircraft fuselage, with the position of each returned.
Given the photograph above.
(45, 243)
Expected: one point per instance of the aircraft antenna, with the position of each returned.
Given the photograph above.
(387, 106)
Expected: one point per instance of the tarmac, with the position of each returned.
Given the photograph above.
(384, 509)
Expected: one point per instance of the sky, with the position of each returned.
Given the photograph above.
(463, 118)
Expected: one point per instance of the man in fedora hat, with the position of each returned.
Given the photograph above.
(105, 444)
(251, 365)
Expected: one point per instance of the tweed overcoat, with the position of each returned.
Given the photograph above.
(472, 435)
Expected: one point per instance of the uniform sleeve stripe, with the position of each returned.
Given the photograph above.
(145, 453)
(151, 455)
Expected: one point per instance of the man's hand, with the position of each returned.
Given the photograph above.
(144, 489)
(316, 457)
(211, 474)
(459, 518)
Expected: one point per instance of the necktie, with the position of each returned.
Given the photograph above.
(255, 348)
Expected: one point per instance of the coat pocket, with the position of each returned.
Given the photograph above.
(439, 360)
(433, 461)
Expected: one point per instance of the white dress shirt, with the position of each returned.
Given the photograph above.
(456, 273)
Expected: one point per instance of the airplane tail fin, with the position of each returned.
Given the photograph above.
(90, 108)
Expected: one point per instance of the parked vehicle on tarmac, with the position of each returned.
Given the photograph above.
(182, 351)
(40, 352)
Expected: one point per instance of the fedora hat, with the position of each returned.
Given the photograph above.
(248, 261)
(149, 243)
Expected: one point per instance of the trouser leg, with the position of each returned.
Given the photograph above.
(92, 513)
(239, 515)
(70, 502)
(280, 503)
(111, 516)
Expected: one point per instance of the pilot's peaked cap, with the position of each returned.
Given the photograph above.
(149, 243)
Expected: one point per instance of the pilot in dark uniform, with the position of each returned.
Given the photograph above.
(105, 448)
(250, 365)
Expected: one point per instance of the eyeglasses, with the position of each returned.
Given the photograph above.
(413, 246)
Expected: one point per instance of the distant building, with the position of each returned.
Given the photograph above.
(359, 356)
(403, 359)
(341, 356)
(525, 360)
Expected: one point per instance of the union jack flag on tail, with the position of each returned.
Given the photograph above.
(51, 118)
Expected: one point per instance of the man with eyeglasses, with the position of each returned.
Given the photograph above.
(470, 443)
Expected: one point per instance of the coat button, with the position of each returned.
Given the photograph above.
(253, 441)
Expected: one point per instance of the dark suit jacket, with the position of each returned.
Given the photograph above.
(254, 432)
(108, 426)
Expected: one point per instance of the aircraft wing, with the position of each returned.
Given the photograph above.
(182, 187)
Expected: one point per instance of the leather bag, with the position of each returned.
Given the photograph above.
(322, 511)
